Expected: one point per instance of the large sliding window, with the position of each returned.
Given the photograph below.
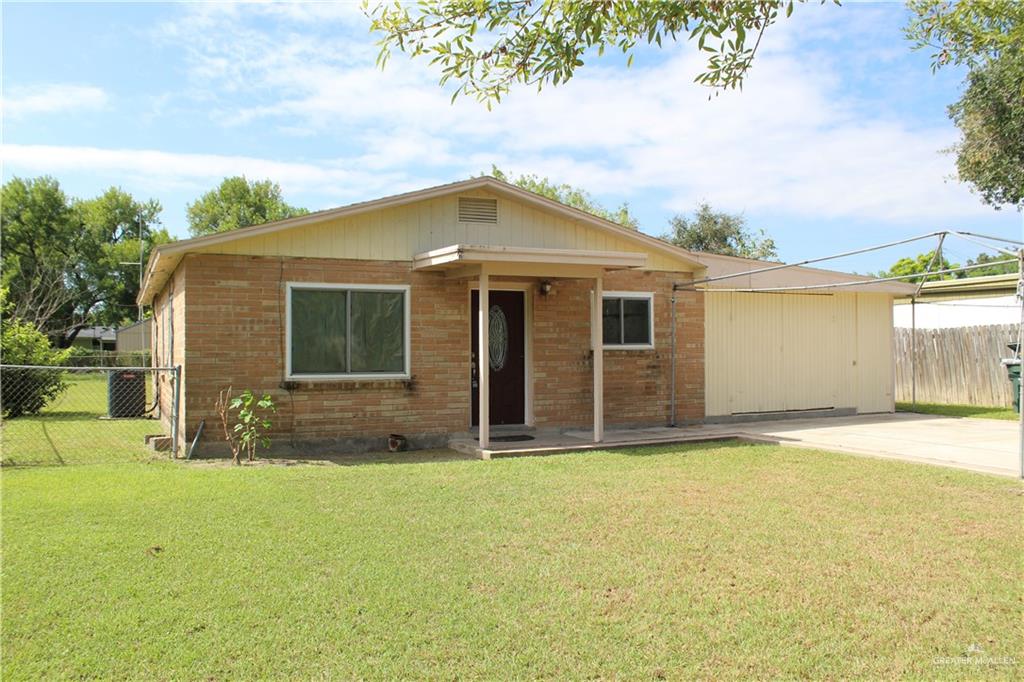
(343, 331)
(628, 320)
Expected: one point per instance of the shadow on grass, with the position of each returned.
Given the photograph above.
(447, 455)
(680, 448)
(339, 459)
(53, 446)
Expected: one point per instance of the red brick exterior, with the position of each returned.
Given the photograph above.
(637, 383)
(234, 335)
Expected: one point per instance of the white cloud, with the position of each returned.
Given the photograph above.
(165, 170)
(52, 98)
(793, 141)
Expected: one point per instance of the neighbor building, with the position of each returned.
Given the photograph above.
(136, 337)
(365, 321)
(967, 302)
(96, 339)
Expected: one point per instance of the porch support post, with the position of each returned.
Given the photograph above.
(483, 364)
(597, 343)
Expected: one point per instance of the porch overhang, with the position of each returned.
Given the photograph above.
(463, 261)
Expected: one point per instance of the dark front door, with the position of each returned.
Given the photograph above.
(507, 361)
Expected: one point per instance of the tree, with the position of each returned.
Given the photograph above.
(486, 45)
(1004, 269)
(966, 32)
(109, 261)
(718, 232)
(990, 115)
(919, 265)
(71, 263)
(570, 196)
(987, 36)
(26, 391)
(238, 202)
(40, 246)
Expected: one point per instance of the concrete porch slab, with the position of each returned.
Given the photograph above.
(983, 445)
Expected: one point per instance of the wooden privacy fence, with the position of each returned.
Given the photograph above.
(957, 365)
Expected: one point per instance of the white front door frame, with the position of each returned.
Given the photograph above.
(527, 289)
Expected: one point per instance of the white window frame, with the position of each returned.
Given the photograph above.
(355, 376)
(644, 295)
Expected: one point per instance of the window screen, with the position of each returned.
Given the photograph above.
(342, 331)
(626, 321)
(378, 325)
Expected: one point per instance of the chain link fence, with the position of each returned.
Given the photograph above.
(86, 415)
(109, 358)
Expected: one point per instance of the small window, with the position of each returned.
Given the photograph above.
(348, 331)
(474, 210)
(627, 319)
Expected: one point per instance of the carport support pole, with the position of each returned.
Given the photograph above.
(1020, 348)
(597, 343)
(483, 364)
(936, 260)
(913, 353)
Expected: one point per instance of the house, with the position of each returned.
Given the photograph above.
(135, 337)
(96, 339)
(968, 302)
(375, 318)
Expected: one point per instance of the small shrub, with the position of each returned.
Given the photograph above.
(27, 391)
(251, 427)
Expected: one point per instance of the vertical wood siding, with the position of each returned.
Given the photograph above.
(777, 352)
(397, 234)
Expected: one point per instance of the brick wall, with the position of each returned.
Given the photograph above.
(234, 314)
(637, 383)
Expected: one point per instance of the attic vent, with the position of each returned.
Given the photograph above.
(473, 210)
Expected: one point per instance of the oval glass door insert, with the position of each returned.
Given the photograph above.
(497, 335)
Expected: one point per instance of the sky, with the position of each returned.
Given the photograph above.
(837, 140)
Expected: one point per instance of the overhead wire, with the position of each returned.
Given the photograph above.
(854, 283)
(941, 234)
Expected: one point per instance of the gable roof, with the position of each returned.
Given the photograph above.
(165, 258)
(735, 267)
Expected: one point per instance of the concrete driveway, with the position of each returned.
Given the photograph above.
(986, 445)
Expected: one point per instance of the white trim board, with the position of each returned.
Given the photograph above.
(644, 295)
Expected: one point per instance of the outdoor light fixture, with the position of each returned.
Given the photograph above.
(545, 288)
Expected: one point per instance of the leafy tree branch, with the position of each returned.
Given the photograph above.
(486, 46)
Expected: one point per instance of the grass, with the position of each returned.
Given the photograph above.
(1006, 413)
(701, 561)
(70, 429)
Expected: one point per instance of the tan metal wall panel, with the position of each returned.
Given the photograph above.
(809, 352)
(875, 354)
(779, 352)
(399, 233)
(847, 386)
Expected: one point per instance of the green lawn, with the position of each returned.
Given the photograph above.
(71, 429)
(702, 561)
(1007, 413)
